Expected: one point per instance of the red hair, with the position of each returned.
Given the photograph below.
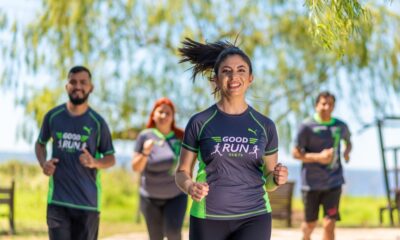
(151, 124)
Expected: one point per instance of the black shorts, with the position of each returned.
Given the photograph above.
(329, 199)
(72, 224)
(254, 228)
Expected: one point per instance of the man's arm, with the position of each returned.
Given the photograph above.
(87, 160)
(106, 148)
(348, 145)
(48, 167)
(302, 140)
(347, 151)
(41, 153)
(323, 157)
(106, 162)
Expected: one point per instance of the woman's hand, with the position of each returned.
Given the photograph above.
(280, 174)
(148, 146)
(198, 191)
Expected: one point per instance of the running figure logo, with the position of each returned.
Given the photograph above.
(255, 149)
(216, 147)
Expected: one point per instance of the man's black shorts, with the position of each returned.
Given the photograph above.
(329, 199)
(72, 224)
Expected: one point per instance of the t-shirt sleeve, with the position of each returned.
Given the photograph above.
(105, 146)
(139, 142)
(190, 139)
(45, 132)
(272, 136)
(301, 138)
(346, 133)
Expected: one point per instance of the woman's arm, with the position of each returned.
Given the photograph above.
(139, 160)
(184, 173)
(276, 173)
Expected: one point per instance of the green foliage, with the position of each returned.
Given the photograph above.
(3, 19)
(334, 22)
(38, 105)
(131, 47)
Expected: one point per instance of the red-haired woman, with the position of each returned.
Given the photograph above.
(155, 156)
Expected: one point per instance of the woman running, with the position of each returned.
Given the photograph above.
(156, 154)
(237, 150)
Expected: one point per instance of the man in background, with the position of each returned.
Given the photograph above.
(318, 145)
(81, 145)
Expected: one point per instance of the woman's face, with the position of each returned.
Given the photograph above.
(233, 77)
(163, 116)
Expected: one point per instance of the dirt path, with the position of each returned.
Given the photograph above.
(295, 234)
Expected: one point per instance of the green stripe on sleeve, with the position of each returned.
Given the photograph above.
(109, 152)
(189, 147)
(270, 152)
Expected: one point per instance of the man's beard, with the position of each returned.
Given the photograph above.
(77, 100)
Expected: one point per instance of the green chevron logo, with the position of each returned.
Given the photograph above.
(216, 139)
(59, 135)
(253, 140)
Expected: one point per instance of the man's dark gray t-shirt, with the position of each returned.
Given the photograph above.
(230, 150)
(315, 136)
(158, 177)
(72, 184)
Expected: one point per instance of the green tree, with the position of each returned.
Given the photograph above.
(335, 21)
(131, 46)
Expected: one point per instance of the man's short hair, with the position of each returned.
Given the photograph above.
(324, 94)
(78, 69)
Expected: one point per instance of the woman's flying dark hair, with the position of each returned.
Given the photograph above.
(209, 56)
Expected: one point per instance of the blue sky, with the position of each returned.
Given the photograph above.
(365, 153)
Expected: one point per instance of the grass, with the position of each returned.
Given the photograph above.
(120, 204)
